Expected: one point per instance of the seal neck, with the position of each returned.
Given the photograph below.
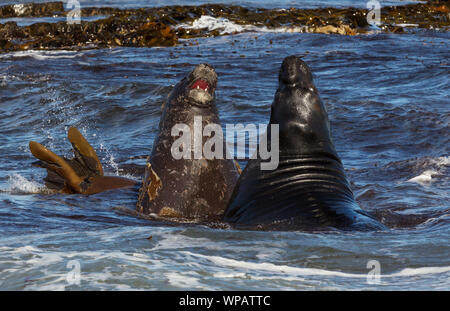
(302, 120)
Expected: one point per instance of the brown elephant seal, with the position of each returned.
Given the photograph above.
(192, 188)
(309, 189)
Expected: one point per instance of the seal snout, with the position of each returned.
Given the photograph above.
(202, 85)
(295, 71)
(204, 77)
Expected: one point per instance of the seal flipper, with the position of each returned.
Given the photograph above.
(57, 165)
(53, 181)
(82, 174)
(84, 153)
(151, 184)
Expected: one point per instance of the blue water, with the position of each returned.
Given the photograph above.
(387, 97)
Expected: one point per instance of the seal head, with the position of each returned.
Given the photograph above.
(202, 84)
(301, 115)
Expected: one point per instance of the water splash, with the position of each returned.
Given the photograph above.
(430, 175)
(228, 27)
(42, 55)
(17, 184)
(109, 159)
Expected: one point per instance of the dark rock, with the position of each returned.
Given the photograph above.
(356, 18)
(32, 9)
(5, 45)
(160, 26)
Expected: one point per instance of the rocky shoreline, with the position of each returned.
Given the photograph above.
(163, 26)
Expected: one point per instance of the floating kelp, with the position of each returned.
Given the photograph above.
(147, 27)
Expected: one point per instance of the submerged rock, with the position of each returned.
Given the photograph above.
(147, 27)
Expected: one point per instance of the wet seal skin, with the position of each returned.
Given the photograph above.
(309, 190)
(187, 189)
(162, 26)
(82, 174)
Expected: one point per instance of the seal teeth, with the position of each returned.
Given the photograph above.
(200, 84)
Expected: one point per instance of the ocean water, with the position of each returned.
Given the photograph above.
(387, 97)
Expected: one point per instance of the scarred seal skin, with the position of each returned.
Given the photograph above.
(196, 189)
(309, 189)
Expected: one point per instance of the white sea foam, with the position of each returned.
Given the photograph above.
(175, 241)
(183, 280)
(406, 25)
(296, 271)
(427, 177)
(228, 27)
(32, 267)
(17, 184)
(441, 161)
(42, 55)
(424, 178)
(47, 270)
(419, 271)
(213, 23)
(225, 26)
(269, 267)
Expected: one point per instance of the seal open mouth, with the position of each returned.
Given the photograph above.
(201, 84)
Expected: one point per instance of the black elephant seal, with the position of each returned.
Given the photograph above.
(309, 189)
(195, 189)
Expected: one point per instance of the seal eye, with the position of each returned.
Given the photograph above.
(201, 84)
